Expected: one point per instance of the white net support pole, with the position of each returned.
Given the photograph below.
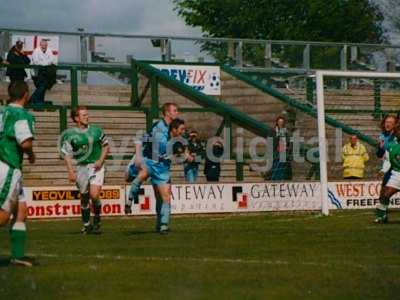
(320, 75)
(322, 143)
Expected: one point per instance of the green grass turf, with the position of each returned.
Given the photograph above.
(268, 256)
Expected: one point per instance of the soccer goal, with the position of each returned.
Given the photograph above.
(321, 78)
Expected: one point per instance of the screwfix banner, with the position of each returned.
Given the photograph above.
(205, 79)
(63, 202)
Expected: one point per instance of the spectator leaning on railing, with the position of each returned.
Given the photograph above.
(16, 56)
(45, 76)
(354, 157)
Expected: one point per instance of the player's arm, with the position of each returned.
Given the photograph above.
(380, 151)
(70, 168)
(24, 137)
(105, 150)
(27, 147)
(67, 154)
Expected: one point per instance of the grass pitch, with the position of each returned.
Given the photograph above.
(285, 256)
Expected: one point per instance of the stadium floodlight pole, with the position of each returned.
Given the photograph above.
(321, 121)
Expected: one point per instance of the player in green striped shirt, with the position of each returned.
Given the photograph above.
(88, 146)
(393, 184)
(16, 136)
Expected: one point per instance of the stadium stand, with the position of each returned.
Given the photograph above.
(120, 126)
(235, 92)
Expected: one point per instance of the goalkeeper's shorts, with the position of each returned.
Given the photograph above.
(394, 180)
(11, 190)
(86, 175)
(159, 172)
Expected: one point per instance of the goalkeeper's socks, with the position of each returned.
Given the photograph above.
(18, 240)
(134, 190)
(85, 211)
(159, 203)
(165, 213)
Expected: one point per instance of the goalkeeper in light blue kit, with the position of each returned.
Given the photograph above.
(152, 159)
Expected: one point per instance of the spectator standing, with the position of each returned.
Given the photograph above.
(281, 166)
(212, 166)
(195, 149)
(45, 76)
(16, 56)
(354, 157)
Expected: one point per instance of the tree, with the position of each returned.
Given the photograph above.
(307, 20)
(391, 12)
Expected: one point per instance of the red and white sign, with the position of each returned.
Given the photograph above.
(31, 42)
(224, 198)
(282, 196)
(357, 195)
(63, 202)
(188, 199)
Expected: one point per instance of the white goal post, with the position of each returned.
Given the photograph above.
(320, 75)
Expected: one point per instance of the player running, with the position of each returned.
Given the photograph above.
(152, 159)
(16, 136)
(88, 146)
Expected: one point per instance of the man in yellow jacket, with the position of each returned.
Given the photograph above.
(354, 156)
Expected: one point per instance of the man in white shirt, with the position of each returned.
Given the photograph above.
(42, 56)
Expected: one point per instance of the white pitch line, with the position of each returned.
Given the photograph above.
(211, 260)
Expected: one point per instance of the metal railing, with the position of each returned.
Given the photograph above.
(347, 54)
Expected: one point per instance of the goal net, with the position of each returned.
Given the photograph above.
(356, 111)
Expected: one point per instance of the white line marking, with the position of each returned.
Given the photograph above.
(212, 260)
